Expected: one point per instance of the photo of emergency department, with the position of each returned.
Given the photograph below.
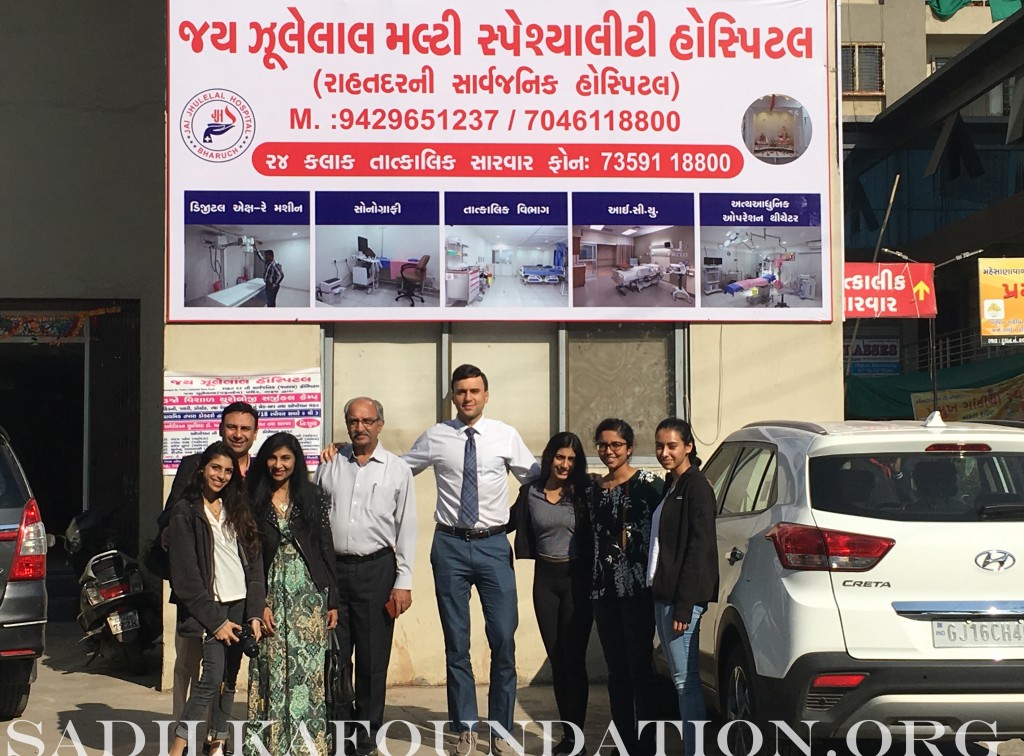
(377, 266)
(633, 266)
(246, 265)
(506, 266)
(750, 267)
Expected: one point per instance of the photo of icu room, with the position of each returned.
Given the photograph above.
(506, 266)
(632, 266)
(747, 267)
(377, 266)
(224, 265)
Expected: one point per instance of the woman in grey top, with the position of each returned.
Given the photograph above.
(548, 518)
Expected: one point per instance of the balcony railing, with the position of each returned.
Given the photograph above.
(953, 349)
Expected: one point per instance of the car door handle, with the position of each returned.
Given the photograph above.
(735, 555)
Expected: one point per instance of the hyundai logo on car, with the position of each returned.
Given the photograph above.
(995, 560)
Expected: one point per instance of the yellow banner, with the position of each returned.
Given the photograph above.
(1003, 400)
(1001, 296)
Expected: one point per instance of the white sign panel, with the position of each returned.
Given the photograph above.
(286, 402)
(410, 160)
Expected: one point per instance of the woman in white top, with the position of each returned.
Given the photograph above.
(217, 576)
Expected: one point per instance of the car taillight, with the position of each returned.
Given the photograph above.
(801, 547)
(113, 590)
(30, 551)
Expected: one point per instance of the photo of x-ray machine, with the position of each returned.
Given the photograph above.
(253, 260)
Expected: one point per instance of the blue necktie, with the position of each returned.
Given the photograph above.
(469, 499)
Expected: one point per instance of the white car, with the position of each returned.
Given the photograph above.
(868, 576)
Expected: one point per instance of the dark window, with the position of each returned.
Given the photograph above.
(863, 69)
(920, 486)
(719, 467)
(754, 470)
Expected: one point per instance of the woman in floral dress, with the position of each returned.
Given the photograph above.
(286, 681)
(621, 505)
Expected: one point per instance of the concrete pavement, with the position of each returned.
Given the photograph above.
(70, 702)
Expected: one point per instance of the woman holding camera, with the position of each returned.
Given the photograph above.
(286, 682)
(217, 574)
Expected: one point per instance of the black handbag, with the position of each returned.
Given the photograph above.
(157, 559)
(338, 681)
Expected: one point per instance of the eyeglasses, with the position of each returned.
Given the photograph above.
(353, 422)
(613, 445)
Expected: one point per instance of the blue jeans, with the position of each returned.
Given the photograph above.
(458, 565)
(681, 653)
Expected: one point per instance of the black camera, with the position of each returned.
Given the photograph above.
(250, 646)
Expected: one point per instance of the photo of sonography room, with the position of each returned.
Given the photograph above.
(633, 266)
(225, 265)
(377, 266)
(506, 266)
(746, 267)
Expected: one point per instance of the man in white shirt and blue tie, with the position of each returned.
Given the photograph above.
(472, 456)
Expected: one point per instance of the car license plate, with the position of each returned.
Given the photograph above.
(123, 622)
(978, 634)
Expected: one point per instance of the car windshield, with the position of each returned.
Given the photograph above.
(12, 491)
(927, 486)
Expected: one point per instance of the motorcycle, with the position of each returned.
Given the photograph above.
(118, 616)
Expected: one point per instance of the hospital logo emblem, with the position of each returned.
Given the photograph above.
(217, 125)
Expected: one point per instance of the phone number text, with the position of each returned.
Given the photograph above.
(472, 119)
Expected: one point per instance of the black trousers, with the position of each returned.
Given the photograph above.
(561, 601)
(272, 295)
(626, 629)
(365, 626)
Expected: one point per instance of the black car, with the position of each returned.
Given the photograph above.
(23, 543)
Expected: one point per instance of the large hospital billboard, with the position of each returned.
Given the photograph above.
(524, 161)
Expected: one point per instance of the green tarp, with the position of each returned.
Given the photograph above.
(944, 9)
(888, 397)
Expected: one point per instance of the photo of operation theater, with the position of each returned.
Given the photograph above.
(632, 266)
(225, 265)
(377, 266)
(760, 267)
(506, 266)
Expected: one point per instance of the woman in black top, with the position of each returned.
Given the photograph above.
(217, 574)
(548, 518)
(286, 685)
(621, 504)
(683, 567)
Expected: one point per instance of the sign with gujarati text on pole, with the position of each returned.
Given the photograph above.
(405, 160)
(1001, 296)
(889, 290)
(291, 402)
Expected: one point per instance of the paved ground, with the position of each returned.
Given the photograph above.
(71, 700)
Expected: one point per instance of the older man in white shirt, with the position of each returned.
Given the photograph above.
(373, 523)
(472, 456)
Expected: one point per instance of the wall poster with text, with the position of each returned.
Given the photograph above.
(454, 161)
(286, 403)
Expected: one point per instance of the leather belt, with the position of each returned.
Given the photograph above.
(470, 534)
(357, 558)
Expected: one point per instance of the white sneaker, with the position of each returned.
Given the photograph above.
(466, 744)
